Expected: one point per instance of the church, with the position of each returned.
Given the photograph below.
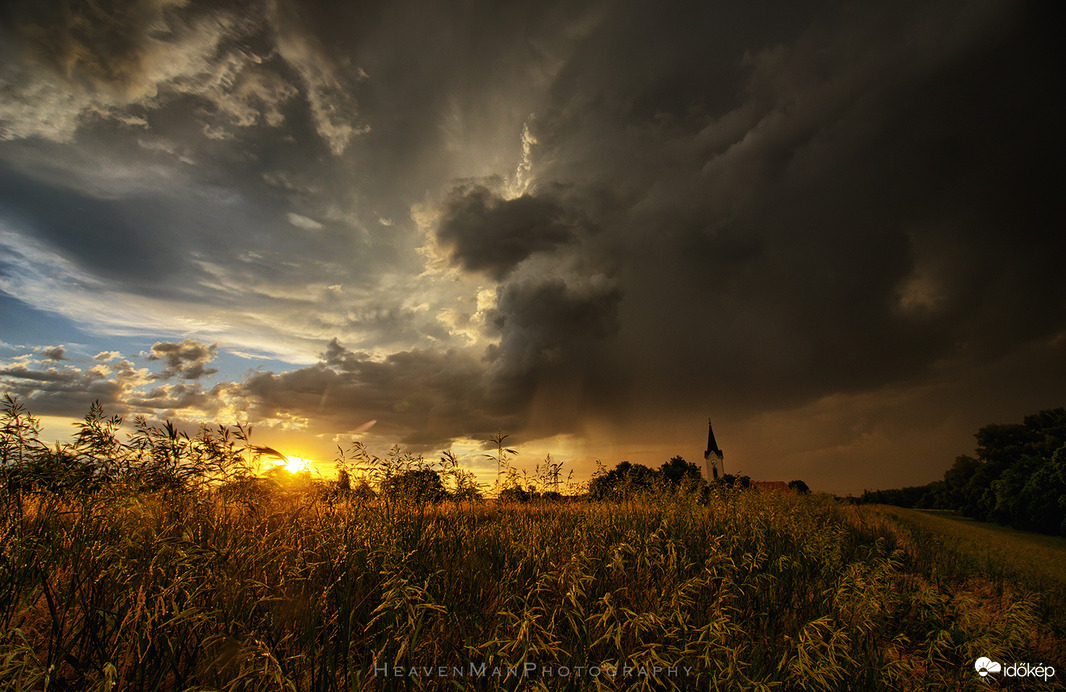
(714, 457)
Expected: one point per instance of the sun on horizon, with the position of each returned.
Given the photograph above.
(298, 464)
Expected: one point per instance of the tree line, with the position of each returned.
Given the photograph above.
(1016, 478)
(627, 478)
(162, 457)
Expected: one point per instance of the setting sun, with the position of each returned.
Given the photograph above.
(298, 464)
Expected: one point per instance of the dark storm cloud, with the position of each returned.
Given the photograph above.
(557, 304)
(187, 359)
(488, 233)
(416, 397)
(550, 325)
(849, 198)
(552, 362)
(826, 201)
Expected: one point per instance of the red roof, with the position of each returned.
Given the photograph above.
(773, 486)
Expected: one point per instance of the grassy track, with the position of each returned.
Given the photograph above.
(1017, 560)
(1043, 557)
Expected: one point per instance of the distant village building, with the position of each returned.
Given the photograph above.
(772, 486)
(713, 458)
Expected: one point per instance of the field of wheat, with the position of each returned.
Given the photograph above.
(200, 590)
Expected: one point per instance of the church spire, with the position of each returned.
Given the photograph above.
(714, 456)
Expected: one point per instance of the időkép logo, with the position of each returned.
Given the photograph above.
(986, 667)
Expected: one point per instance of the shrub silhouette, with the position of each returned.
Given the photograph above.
(418, 486)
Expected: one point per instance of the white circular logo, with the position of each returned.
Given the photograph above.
(985, 665)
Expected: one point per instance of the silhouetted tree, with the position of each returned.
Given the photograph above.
(418, 485)
(957, 479)
(515, 493)
(731, 481)
(1018, 477)
(677, 471)
(624, 479)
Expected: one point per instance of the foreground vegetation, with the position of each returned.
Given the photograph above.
(193, 591)
(141, 583)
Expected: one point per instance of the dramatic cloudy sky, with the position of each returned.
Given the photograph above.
(835, 228)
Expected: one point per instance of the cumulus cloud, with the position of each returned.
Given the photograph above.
(184, 399)
(68, 390)
(187, 359)
(54, 353)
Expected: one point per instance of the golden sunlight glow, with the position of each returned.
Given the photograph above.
(298, 464)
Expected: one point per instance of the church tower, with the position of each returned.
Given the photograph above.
(713, 457)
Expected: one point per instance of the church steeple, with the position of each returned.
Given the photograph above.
(714, 457)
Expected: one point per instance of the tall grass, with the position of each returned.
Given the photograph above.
(199, 590)
(166, 563)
